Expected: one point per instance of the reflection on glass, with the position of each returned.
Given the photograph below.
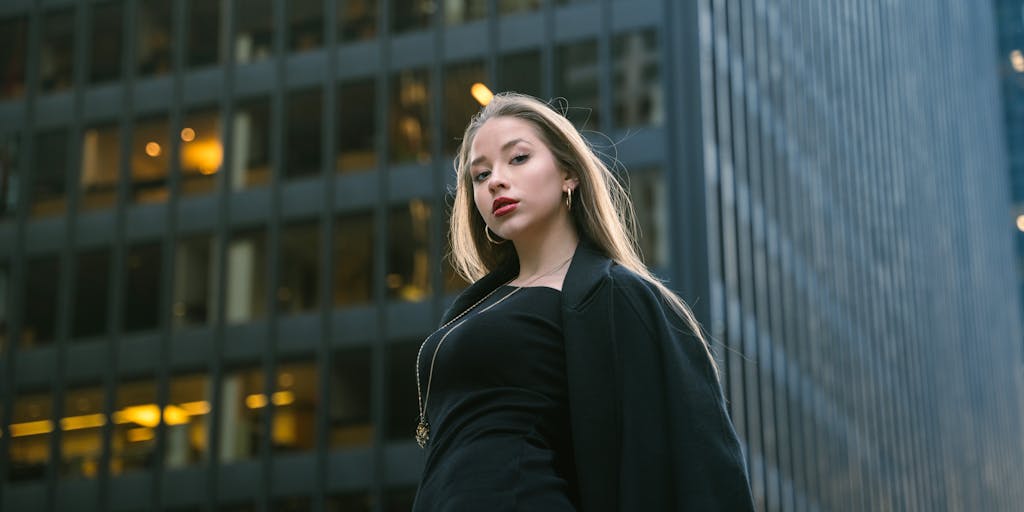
(201, 151)
(409, 117)
(203, 41)
(92, 293)
(30, 429)
(186, 414)
(402, 407)
(576, 80)
(353, 259)
(303, 133)
(244, 404)
(357, 19)
(153, 41)
(195, 283)
(142, 287)
(151, 146)
(350, 502)
(460, 106)
(299, 271)
(305, 24)
(461, 11)
(514, 6)
(254, 35)
(13, 51)
(349, 406)
(81, 442)
(295, 400)
(246, 279)
(9, 144)
(105, 54)
(40, 319)
(647, 189)
(638, 99)
(136, 416)
(49, 179)
(251, 162)
(101, 157)
(408, 269)
(55, 62)
(357, 126)
(411, 14)
(520, 72)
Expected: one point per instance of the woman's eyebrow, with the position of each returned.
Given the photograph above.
(504, 147)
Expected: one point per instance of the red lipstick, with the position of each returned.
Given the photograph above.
(503, 206)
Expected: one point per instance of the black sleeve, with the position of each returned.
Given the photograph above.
(679, 448)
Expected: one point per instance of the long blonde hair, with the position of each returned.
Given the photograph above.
(602, 210)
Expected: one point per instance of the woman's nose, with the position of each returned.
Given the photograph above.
(497, 180)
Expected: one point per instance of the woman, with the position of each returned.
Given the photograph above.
(566, 377)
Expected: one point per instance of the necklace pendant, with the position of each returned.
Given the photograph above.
(422, 433)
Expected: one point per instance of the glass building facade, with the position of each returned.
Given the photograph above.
(222, 236)
(1010, 23)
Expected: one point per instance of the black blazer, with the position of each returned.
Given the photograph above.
(649, 423)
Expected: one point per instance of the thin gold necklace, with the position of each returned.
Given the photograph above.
(423, 427)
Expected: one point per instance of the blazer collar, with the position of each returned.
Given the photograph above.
(589, 266)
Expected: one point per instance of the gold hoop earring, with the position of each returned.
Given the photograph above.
(487, 233)
(568, 199)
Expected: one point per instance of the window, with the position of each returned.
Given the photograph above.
(5, 288)
(39, 324)
(638, 99)
(357, 20)
(254, 36)
(49, 180)
(13, 51)
(9, 183)
(92, 293)
(201, 151)
(305, 24)
(408, 251)
(204, 38)
(514, 6)
(402, 407)
(304, 133)
(98, 175)
(460, 105)
(461, 11)
(353, 259)
(647, 189)
(142, 287)
(81, 443)
(576, 79)
(55, 58)
(153, 43)
(195, 282)
(30, 429)
(348, 408)
(136, 416)
(246, 279)
(242, 423)
(411, 14)
(105, 54)
(409, 115)
(299, 271)
(295, 400)
(251, 166)
(151, 146)
(186, 416)
(520, 72)
(357, 126)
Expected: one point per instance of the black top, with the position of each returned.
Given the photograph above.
(498, 409)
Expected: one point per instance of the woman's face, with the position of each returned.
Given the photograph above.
(517, 186)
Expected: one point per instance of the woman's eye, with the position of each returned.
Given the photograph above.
(482, 175)
(518, 159)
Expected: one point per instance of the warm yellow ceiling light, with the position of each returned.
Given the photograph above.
(1017, 61)
(153, 149)
(1020, 222)
(188, 134)
(481, 93)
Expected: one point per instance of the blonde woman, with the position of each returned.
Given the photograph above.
(566, 377)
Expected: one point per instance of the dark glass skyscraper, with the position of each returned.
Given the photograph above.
(222, 236)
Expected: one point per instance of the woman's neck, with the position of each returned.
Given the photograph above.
(547, 254)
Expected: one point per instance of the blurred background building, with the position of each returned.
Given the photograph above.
(222, 235)
(1010, 20)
